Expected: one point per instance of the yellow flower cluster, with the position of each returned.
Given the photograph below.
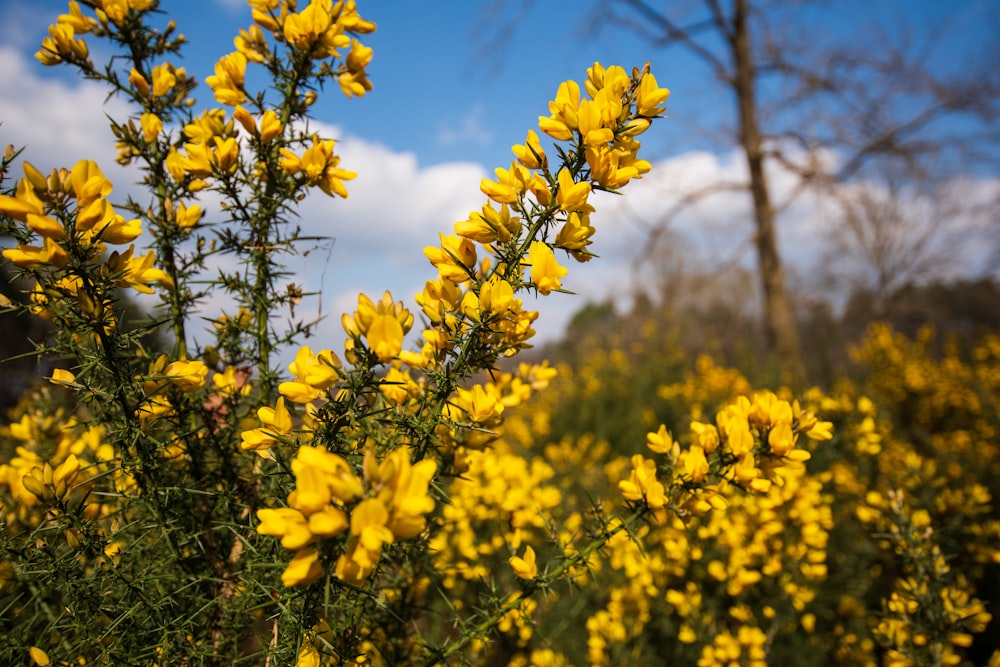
(750, 443)
(482, 292)
(390, 503)
(71, 222)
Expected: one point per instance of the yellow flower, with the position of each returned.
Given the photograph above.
(61, 376)
(228, 80)
(526, 567)
(649, 96)
(187, 375)
(455, 259)
(545, 271)
(40, 657)
(530, 154)
(303, 569)
(151, 127)
(572, 196)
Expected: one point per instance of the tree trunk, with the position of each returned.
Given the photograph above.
(780, 331)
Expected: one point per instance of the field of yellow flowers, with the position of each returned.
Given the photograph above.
(380, 502)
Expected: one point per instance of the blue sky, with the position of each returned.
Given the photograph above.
(453, 91)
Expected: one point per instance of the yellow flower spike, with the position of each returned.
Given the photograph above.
(368, 523)
(164, 79)
(187, 217)
(642, 484)
(270, 126)
(455, 259)
(226, 154)
(410, 500)
(76, 19)
(252, 45)
(572, 196)
(592, 123)
(228, 81)
(138, 81)
(545, 271)
(575, 235)
(303, 30)
(60, 45)
(649, 96)
(694, 463)
(187, 375)
(509, 186)
(151, 126)
(660, 442)
(524, 567)
(531, 154)
(385, 337)
(88, 182)
(497, 296)
(563, 121)
(706, 436)
(243, 117)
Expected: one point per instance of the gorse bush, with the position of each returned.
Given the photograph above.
(382, 505)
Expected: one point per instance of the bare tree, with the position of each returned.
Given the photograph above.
(833, 113)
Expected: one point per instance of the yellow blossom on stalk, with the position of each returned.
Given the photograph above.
(138, 81)
(694, 463)
(306, 30)
(164, 79)
(383, 325)
(660, 442)
(319, 166)
(314, 375)
(525, 567)
(439, 298)
(137, 272)
(572, 196)
(187, 217)
(251, 44)
(642, 484)
(564, 120)
(481, 403)
(39, 657)
(530, 154)
(545, 271)
(88, 182)
(228, 80)
(509, 186)
(76, 19)
(455, 259)
(354, 82)
(489, 226)
(187, 375)
(151, 126)
(60, 45)
(574, 236)
(649, 96)
(277, 422)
